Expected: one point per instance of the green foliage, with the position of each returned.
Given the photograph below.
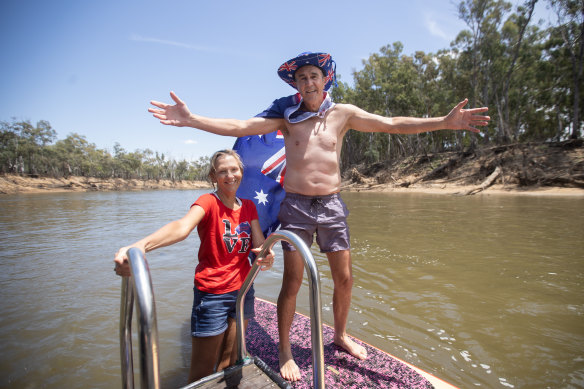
(26, 149)
(529, 77)
(23, 146)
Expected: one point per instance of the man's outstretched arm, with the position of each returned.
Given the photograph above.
(179, 115)
(457, 119)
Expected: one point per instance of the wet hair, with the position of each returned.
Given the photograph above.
(220, 154)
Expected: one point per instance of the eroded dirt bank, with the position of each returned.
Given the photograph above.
(532, 168)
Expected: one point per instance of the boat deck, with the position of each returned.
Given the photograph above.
(379, 370)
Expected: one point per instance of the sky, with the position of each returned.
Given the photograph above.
(92, 67)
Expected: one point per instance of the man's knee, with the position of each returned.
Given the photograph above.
(293, 274)
(341, 272)
(343, 281)
(291, 284)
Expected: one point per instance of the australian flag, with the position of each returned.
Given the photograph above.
(264, 168)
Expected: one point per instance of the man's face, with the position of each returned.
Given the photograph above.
(310, 83)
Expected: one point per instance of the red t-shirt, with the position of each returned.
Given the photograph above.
(225, 237)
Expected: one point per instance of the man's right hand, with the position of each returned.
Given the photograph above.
(171, 115)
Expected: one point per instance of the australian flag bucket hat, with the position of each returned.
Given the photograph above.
(323, 61)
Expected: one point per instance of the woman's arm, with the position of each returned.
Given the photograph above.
(171, 233)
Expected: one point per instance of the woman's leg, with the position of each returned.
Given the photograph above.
(204, 354)
(228, 353)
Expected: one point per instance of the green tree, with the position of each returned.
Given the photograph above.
(23, 146)
(512, 34)
(8, 148)
(569, 35)
(479, 48)
(72, 155)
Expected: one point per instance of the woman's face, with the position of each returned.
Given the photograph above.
(227, 174)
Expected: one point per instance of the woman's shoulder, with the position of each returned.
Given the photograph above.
(209, 195)
(206, 200)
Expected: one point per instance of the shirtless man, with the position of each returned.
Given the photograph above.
(313, 129)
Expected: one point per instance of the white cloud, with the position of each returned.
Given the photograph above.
(435, 29)
(190, 142)
(139, 38)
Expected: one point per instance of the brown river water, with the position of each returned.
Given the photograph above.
(482, 291)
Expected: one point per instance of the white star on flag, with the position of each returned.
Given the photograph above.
(261, 197)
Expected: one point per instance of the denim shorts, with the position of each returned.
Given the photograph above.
(324, 215)
(210, 311)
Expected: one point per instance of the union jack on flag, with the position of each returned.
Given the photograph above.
(288, 66)
(275, 166)
(264, 168)
(323, 59)
(330, 76)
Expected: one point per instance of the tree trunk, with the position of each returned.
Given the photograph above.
(485, 184)
(577, 76)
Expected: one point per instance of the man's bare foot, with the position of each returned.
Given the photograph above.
(288, 368)
(351, 347)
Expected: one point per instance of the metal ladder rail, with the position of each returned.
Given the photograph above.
(140, 285)
(315, 302)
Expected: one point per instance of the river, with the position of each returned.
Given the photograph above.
(481, 291)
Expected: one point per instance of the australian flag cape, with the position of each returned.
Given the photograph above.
(264, 167)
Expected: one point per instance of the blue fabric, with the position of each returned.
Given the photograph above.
(278, 106)
(290, 108)
(264, 168)
(210, 311)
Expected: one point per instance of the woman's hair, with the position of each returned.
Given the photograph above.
(219, 154)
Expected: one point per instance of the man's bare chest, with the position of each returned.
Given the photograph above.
(321, 133)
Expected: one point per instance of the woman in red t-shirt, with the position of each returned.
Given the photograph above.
(229, 229)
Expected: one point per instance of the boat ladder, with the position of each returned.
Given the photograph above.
(248, 372)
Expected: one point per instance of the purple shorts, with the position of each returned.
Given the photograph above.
(325, 215)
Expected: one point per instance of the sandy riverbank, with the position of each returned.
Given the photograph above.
(452, 189)
(13, 184)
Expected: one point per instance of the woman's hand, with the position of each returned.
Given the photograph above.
(122, 266)
(264, 262)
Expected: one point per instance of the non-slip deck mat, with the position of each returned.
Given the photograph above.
(379, 370)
